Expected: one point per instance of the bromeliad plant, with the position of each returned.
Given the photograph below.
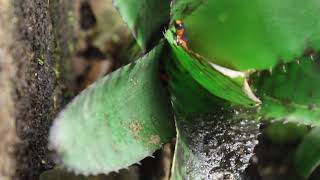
(214, 53)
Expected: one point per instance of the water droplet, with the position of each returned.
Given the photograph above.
(270, 71)
(284, 68)
(312, 57)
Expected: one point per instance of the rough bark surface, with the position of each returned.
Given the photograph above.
(8, 137)
(36, 38)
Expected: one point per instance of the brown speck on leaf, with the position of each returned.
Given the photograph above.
(136, 127)
(154, 139)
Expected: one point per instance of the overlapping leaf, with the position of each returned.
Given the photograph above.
(221, 82)
(59, 173)
(182, 8)
(116, 122)
(215, 140)
(291, 92)
(285, 133)
(145, 18)
(248, 34)
(307, 157)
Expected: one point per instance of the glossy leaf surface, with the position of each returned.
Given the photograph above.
(220, 81)
(145, 18)
(246, 34)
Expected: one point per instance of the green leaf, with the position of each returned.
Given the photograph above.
(285, 133)
(116, 122)
(220, 81)
(291, 92)
(247, 34)
(59, 173)
(214, 139)
(187, 95)
(182, 8)
(145, 18)
(307, 157)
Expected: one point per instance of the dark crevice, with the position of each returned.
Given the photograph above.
(87, 18)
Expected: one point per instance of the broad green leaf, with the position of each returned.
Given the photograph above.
(307, 157)
(145, 18)
(59, 173)
(116, 122)
(245, 34)
(187, 95)
(285, 133)
(220, 81)
(214, 139)
(291, 92)
(182, 8)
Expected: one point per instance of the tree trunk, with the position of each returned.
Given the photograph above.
(36, 38)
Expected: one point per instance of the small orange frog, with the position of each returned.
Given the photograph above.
(180, 34)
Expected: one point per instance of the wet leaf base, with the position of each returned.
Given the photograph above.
(214, 147)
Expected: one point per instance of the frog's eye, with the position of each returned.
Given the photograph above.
(179, 24)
